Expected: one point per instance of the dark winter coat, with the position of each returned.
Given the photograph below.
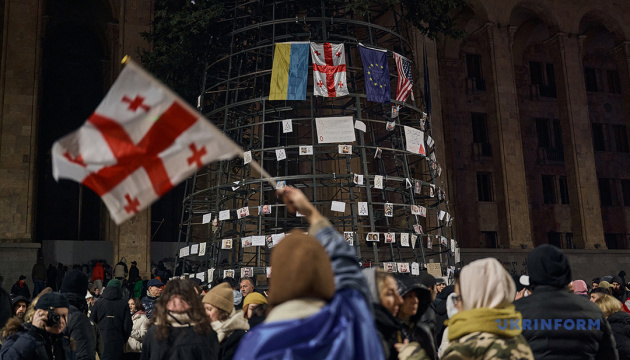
(149, 303)
(183, 344)
(111, 315)
(549, 302)
(79, 327)
(389, 330)
(620, 325)
(230, 344)
(18, 290)
(441, 313)
(413, 328)
(6, 310)
(30, 342)
(134, 273)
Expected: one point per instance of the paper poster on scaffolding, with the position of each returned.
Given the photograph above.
(414, 139)
(339, 129)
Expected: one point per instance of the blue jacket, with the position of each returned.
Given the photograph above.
(149, 303)
(342, 329)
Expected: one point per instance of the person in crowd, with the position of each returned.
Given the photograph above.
(580, 288)
(154, 289)
(30, 311)
(319, 298)
(430, 315)
(120, 270)
(20, 288)
(441, 313)
(549, 275)
(440, 284)
(619, 323)
(484, 294)
(255, 308)
(182, 330)
(89, 300)
(247, 286)
(229, 324)
(595, 283)
(606, 286)
(98, 276)
(134, 272)
(38, 273)
(51, 277)
(111, 315)
(42, 339)
(5, 305)
(97, 293)
(19, 304)
(162, 271)
(74, 287)
(61, 273)
(619, 289)
(451, 309)
(133, 348)
(137, 287)
(416, 299)
(238, 296)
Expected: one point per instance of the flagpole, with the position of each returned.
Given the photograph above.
(128, 61)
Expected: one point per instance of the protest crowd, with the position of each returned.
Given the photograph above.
(320, 304)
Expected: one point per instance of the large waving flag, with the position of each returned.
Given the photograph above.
(405, 81)
(290, 71)
(140, 141)
(329, 70)
(376, 72)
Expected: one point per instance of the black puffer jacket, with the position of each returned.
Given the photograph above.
(30, 342)
(549, 275)
(413, 328)
(183, 344)
(441, 313)
(111, 315)
(620, 325)
(79, 327)
(389, 330)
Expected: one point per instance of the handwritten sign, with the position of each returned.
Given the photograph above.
(339, 129)
(434, 269)
(414, 139)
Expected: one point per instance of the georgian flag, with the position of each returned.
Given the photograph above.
(139, 143)
(329, 70)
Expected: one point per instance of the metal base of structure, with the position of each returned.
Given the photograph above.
(236, 99)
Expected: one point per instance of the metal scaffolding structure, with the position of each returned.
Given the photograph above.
(235, 98)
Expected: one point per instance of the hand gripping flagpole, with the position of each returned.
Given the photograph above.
(128, 61)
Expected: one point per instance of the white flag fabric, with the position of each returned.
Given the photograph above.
(139, 143)
(329, 70)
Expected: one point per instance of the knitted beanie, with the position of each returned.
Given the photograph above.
(75, 282)
(52, 300)
(300, 268)
(114, 283)
(254, 298)
(220, 297)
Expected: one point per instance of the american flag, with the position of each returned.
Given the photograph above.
(405, 81)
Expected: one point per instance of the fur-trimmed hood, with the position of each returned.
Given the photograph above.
(11, 327)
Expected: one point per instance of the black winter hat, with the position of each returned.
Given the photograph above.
(426, 279)
(548, 265)
(75, 282)
(22, 277)
(18, 299)
(617, 279)
(52, 300)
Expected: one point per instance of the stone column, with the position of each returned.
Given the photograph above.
(578, 143)
(132, 240)
(511, 183)
(621, 53)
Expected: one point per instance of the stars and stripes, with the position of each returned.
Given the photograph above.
(405, 80)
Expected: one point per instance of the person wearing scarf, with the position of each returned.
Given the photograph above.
(481, 330)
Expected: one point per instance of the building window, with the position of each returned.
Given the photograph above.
(473, 65)
(564, 190)
(614, 85)
(625, 189)
(549, 138)
(543, 75)
(590, 78)
(549, 191)
(599, 140)
(554, 238)
(480, 133)
(484, 186)
(568, 241)
(543, 133)
(605, 191)
(489, 240)
(621, 138)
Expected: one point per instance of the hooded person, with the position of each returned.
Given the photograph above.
(111, 315)
(320, 306)
(619, 289)
(549, 275)
(416, 300)
(74, 287)
(580, 288)
(229, 324)
(485, 292)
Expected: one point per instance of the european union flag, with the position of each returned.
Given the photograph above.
(376, 74)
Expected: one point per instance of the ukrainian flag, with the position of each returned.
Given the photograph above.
(290, 71)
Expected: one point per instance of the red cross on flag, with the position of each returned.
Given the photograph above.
(329, 70)
(140, 141)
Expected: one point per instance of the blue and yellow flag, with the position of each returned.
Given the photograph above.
(289, 73)
(376, 73)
